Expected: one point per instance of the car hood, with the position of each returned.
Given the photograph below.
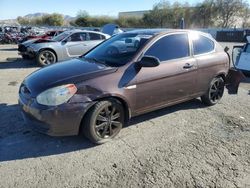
(36, 41)
(72, 71)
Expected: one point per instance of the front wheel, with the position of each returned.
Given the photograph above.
(215, 92)
(104, 121)
(46, 57)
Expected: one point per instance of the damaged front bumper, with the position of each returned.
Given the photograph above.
(27, 51)
(62, 120)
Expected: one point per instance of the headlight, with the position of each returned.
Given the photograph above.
(57, 95)
(30, 49)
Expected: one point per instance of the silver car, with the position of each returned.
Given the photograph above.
(67, 45)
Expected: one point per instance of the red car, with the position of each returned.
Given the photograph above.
(47, 35)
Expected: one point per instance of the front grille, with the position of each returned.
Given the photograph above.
(22, 48)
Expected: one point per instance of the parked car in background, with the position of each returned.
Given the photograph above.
(47, 35)
(111, 29)
(67, 45)
(241, 57)
(130, 74)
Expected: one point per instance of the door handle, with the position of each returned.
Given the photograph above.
(188, 66)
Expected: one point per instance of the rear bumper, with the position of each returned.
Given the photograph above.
(233, 79)
(62, 120)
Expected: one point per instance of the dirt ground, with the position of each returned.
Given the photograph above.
(187, 145)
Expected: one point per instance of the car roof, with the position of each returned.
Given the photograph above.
(84, 30)
(164, 31)
(149, 31)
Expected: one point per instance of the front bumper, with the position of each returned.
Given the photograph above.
(62, 120)
(23, 50)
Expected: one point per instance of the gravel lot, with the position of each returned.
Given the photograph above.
(187, 145)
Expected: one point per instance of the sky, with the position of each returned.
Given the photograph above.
(10, 9)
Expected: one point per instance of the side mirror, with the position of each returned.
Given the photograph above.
(149, 61)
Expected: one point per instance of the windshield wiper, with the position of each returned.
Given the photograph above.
(97, 61)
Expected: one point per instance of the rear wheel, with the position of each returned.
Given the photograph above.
(103, 121)
(215, 92)
(46, 57)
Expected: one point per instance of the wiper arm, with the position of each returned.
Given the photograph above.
(98, 61)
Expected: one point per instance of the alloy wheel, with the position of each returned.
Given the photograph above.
(47, 57)
(108, 121)
(216, 91)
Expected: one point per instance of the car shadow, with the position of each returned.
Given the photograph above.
(8, 49)
(246, 81)
(13, 63)
(192, 104)
(18, 142)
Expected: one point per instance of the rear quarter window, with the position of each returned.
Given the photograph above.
(95, 36)
(202, 45)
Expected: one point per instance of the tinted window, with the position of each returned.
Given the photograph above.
(170, 47)
(94, 36)
(77, 37)
(103, 37)
(202, 45)
(118, 50)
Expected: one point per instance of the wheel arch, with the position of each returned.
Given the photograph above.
(221, 74)
(49, 49)
(124, 103)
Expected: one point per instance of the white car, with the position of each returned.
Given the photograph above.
(69, 44)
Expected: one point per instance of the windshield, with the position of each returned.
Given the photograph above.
(118, 50)
(61, 36)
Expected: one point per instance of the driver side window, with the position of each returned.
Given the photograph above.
(77, 37)
(170, 47)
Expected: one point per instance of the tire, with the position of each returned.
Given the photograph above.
(214, 92)
(46, 57)
(103, 121)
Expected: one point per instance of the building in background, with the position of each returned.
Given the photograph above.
(138, 14)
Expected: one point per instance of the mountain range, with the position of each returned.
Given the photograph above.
(67, 18)
(40, 14)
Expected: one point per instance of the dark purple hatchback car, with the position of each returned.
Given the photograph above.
(129, 74)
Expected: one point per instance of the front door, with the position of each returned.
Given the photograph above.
(173, 80)
(76, 44)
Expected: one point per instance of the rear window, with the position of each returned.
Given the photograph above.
(202, 45)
